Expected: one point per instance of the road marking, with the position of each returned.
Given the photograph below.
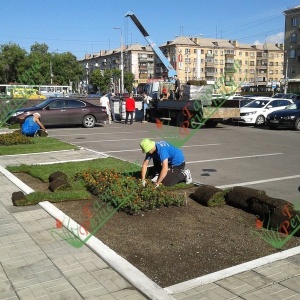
(78, 134)
(235, 157)
(258, 181)
(140, 149)
(139, 139)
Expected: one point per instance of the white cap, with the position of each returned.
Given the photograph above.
(37, 114)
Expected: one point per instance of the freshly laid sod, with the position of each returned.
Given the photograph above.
(78, 190)
(71, 168)
(39, 145)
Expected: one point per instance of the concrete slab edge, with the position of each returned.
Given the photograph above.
(213, 277)
(134, 276)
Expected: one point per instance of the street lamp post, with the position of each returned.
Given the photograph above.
(122, 71)
(286, 73)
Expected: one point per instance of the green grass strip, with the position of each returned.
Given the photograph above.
(39, 145)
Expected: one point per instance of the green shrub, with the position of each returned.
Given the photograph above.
(116, 188)
(14, 138)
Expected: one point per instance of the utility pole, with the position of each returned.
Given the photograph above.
(122, 71)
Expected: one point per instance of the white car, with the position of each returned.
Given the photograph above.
(256, 111)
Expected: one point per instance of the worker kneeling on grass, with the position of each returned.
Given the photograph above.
(32, 126)
(168, 163)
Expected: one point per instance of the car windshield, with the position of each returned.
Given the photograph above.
(257, 103)
(44, 103)
(294, 106)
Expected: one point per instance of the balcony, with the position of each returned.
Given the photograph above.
(209, 54)
(143, 67)
(143, 76)
(209, 74)
(141, 58)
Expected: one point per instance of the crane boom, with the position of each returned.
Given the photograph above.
(158, 52)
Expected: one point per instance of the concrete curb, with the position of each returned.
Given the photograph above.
(213, 277)
(134, 276)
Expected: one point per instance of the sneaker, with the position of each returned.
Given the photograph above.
(109, 122)
(154, 179)
(188, 176)
(104, 122)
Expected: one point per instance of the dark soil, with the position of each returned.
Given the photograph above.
(175, 244)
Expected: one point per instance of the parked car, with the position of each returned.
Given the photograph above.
(289, 117)
(62, 111)
(291, 96)
(256, 111)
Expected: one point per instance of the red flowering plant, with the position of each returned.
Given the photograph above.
(113, 187)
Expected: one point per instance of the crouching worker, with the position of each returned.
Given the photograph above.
(32, 126)
(168, 163)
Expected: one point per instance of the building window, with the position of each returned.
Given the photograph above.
(294, 21)
(292, 53)
(246, 53)
(240, 53)
(216, 52)
(216, 61)
(294, 38)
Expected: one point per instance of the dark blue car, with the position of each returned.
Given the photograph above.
(288, 117)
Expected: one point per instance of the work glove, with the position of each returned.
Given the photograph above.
(144, 183)
(157, 185)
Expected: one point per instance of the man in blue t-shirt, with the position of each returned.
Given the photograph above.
(168, 163)
(32, 125)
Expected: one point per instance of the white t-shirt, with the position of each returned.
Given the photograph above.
(104, 101)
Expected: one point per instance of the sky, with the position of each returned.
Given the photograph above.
(87, 26)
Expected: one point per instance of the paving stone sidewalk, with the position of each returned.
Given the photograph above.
(35, 265)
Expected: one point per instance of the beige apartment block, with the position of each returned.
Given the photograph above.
(292, 46)
(194, 58)
(261, 66)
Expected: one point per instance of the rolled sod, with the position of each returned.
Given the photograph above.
(209, 195)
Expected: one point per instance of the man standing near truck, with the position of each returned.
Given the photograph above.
(177, 87)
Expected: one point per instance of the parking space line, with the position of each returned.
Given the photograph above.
(229, 158)
(140, 149)
(258, 181)
(102, 133)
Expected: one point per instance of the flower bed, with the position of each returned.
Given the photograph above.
(115, 188)
(14, 138)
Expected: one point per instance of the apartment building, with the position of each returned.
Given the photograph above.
(137, 59)
(210, 59)
(292, 46)
(261, 66)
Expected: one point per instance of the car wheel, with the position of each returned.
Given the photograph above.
(260, 120)
(88, 121)
(297, 124)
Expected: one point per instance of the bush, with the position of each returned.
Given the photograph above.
(14, 138)
(118, 189)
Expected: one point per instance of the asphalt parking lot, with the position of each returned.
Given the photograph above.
(224, 156)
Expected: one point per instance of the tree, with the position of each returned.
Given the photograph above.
(128, 81)
(65, 68)
(39, 48)
(11, 56)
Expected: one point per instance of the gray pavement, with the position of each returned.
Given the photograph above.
(35, 265)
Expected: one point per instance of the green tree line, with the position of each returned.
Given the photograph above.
(17, 66)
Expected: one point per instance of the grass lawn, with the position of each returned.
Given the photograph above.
(77, 190)
(39, 145)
